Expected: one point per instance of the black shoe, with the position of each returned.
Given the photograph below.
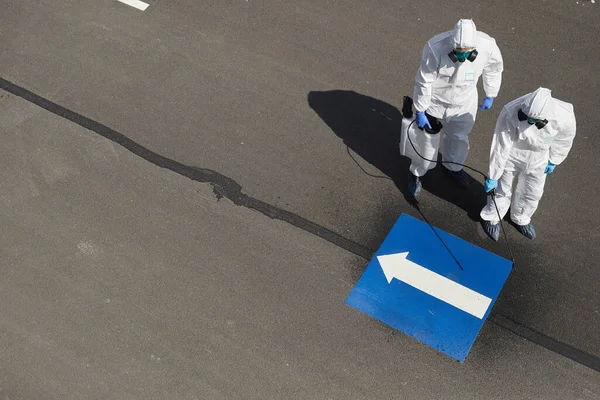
(414, 185)
(492, 230)
(460, 178)
(527, 230)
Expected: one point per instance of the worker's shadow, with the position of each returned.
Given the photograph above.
(371, 129)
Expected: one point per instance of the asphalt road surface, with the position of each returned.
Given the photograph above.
(190, 192)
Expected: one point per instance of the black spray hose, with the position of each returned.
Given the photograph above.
(492, 192)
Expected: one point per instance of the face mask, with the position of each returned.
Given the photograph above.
(539, 123)
(462, 56)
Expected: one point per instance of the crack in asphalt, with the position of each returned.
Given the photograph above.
(223, 186)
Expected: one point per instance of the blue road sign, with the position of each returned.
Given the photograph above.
(414, 285)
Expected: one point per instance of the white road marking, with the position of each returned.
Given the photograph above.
(436, 285)
(140, 5)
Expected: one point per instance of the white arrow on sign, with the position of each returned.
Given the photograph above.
(399, 267)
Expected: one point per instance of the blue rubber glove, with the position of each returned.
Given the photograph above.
(422, 120)
(487, 103)
(490, 184)
(550, 167)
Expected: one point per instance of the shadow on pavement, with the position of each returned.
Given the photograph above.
(371, 129)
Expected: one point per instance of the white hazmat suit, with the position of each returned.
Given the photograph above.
(520, 150)
(447, 90)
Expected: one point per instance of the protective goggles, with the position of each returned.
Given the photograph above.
(462, 56)
(539, 123)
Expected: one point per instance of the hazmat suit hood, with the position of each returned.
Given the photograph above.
(539, 104)
(464, 34)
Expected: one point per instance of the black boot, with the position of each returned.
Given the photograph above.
(460, 178)
(527, 230)
(492, 230)
(414, 185)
